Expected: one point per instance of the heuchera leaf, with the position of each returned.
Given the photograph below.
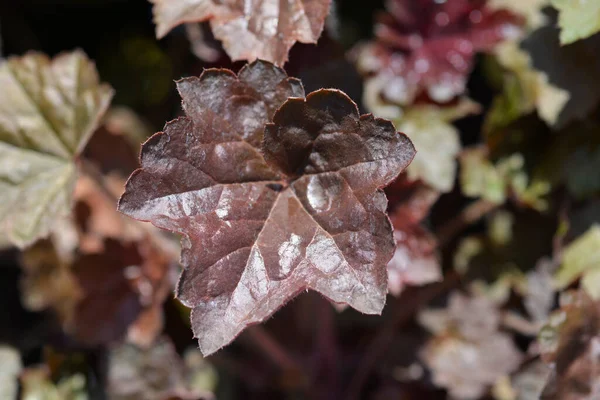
(467, 369)
(468, 353)
(115, 144)
(266, 218)
(128, 281)
(436, 140)
(578, 19)
(479, 177)
(570, 342)
(427, 47)
(416, 260)
(48, 110)
(572, 68)
(249, 30)
(524, 89)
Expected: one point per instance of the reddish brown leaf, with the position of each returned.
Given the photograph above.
(115, 144)
(258, 231)
(101, 297)
(415, 261)
(96, 218)
(249, 30)
(427, 47)
(125, 284)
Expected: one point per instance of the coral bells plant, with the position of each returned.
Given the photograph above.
(425, 48)
(272, 240)
(274, 193)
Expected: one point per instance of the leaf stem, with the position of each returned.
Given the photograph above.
(469, 215)
(163, 243)
(413, 299)
(89, 169)
(325, 370)
(272, 349)
(404, 307)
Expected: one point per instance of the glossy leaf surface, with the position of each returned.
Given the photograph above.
(259, 230)
(249, 29)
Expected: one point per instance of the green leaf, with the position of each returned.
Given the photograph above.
(48, 111)
(581, 259)
(573, 68)
(577, 19)
(481, 178)
(37, 385)
(524, 90)
(437, 141)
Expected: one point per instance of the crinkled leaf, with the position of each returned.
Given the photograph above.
(259, 230)
(581, 259)
(249, 30)
(48, 110)
(577, 19)
(436, 140)
(10, 368)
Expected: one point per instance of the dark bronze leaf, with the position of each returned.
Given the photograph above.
(258, 230)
